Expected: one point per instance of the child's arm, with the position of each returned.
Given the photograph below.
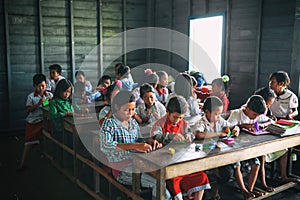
(140, 147)
(202, 135)
(293, 114)
(31, 108)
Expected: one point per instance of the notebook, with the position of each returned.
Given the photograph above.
(259, 132)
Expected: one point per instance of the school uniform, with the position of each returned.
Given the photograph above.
(162, 96)
(51, 84)
(34, 119)
(163, 129)
(284, 104)
(158, 107)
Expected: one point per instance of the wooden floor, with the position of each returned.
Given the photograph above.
(41, 180)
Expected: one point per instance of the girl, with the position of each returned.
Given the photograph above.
(123, 75)
(80, 77)
(162, 92)
(284, 107)
(184, 87)
(151, 110)
(60, 106)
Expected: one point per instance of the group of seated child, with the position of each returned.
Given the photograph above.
(129, 105)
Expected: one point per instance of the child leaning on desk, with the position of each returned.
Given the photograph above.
(119, 135)
(245, 117)
(213, 125)
(60, 106)
(34, 119)
(173, 127)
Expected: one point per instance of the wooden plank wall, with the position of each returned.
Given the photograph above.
(260, 38)
(65, 32)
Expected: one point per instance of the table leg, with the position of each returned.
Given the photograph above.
(161, 185)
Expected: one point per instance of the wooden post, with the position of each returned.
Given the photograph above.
(227, 40)
(124, 27)
(258, 44)
(99, 39)
(40, 36)
(71, 40)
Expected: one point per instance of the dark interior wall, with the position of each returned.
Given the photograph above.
(262, 37)
(35, 34)
(259, 39)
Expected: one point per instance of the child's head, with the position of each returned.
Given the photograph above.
(152, 78)
(199, 78)
(117, 67)
(63, 89)
(123, 72)
(104, 81)
(213, 108)
(219, 85)
(147, 93)
(279, 81)
(80, 76)
(163, 78)
(123, 105)
(183, 85)
(39, 83)
(255, 106)
(79, 89)
(176, 108)
(112, 91)
(55, 71)
(267, 94)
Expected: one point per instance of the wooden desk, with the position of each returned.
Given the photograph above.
(186, 161)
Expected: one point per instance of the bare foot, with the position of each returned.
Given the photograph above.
(269, 189)
(248, 195)
(288, 179)
(257, 194)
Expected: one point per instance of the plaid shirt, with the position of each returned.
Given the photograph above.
(113, 132)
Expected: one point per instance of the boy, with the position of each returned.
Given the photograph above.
(55, 77)
(34, 120)
(245, 117)
(213, 125)
(173, 127)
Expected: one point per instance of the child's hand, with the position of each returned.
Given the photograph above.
(156, 115)
(188, 138)
(143, 147)
(156, 145)
(250, 127)
(235, 131)
(42, 100)
(178, 138)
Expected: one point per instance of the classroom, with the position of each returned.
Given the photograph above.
(67, 66)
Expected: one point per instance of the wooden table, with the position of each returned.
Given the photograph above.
(162, 165)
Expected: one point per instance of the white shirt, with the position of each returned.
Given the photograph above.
(51, 84)
(203, 125)
(284, 103)
(158, 107)
(238, 117)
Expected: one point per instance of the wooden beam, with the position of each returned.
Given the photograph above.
(258, 44)
(150, 23)
(227, 40)
(71, 40)
(170, 33)
(40, 36)
(124, 28)
(99, 38)
(7, 62)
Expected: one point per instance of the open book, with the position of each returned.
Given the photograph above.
(284, 127)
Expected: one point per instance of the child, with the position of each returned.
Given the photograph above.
(80, 98)
(173, 127)
(111, 92)
(213, 125)
(34, 120)
(55, 77)
(80, 77)
(269, 96)
(60, 106)
(103, 83)
(119, 135)
(286, 103)
(123, 75)
(162, 92)
(245, 117)
(184, 87)
(284, 107)
(151, 110)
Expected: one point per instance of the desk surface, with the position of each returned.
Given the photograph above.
(186, 160)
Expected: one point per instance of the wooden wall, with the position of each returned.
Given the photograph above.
(259, 39)
(70, 33)
(262, 36)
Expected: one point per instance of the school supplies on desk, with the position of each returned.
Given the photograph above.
(228, 140)
(258, 130)
(284, 127)
(46, 102)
